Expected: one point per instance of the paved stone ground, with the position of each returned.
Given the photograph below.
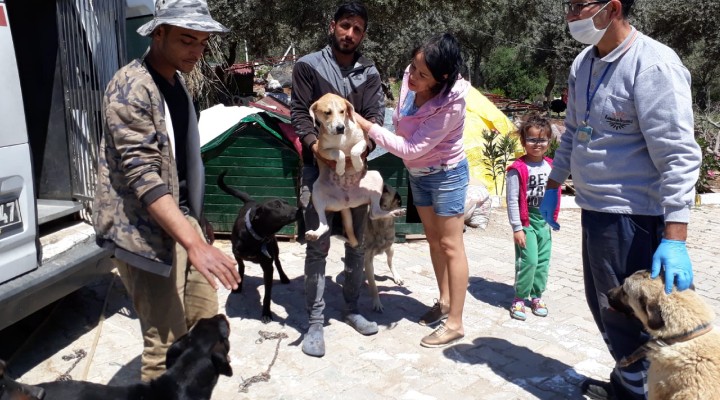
(499, 358)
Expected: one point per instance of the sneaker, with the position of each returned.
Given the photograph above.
(538, 307)
(437, 313)
(441, 337)
(597, 390)
(517, 310)
(360, 324)
(314, 342)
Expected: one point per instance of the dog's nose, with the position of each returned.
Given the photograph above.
(340, 129)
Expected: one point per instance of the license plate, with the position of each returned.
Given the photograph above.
(10, 217)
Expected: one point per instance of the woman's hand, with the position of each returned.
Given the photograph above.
(364, 124)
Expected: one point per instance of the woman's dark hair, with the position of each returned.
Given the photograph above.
(352, 9)
(443, 59)
(537, 121)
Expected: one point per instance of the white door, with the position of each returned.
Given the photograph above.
(18, 226)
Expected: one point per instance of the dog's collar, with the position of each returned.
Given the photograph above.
(642, 351)
(248, 226)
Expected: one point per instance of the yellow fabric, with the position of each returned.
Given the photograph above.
(482, 115)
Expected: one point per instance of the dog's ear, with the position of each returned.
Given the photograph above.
(349, 109)
(176, 350)
(655, 319)
(313, 108)
(221, 362)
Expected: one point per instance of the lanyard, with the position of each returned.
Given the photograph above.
(587, 93)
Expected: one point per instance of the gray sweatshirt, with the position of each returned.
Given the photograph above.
(641, 157)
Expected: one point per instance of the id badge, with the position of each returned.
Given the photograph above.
(585, 133)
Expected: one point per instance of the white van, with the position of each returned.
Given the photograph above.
(56, 59)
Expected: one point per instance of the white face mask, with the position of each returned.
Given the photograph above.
(584, 30)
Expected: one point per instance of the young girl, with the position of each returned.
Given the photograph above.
(526, 179)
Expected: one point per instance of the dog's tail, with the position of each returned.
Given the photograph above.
(232, 191)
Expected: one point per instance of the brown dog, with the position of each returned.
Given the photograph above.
(684, 351)
(341, 189)
(379, 238)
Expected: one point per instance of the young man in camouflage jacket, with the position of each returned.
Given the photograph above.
(151, 183)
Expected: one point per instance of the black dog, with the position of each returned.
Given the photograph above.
(253, 237)
(194, 363)
(11, 390)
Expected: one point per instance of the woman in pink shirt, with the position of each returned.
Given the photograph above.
(429, 121)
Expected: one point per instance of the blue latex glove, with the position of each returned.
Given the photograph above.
(673, 256)
(548, 206)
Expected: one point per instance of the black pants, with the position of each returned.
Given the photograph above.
(614, 246)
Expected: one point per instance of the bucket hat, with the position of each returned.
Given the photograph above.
(189, 14)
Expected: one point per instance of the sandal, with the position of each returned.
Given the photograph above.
(517, 310)
(538, 307)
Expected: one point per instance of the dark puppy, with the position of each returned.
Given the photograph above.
(11, 390)
(253, 237)
(379, 237)
(194, 363)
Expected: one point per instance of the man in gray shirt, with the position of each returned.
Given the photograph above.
(630, 147)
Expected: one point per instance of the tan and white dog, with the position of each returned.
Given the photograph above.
(338, 137)
(341, 189)
(684, 349)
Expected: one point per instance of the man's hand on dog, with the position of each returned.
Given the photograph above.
(672, 255)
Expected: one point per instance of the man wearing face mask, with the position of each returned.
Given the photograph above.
(629, 144)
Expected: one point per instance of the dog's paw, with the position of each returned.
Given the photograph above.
(399, 281)
(357, 164)
(340, 169)
(400, 212)
(266, 319)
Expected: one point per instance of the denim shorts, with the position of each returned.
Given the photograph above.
(445, 191)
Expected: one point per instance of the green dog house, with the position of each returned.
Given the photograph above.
(260, 161)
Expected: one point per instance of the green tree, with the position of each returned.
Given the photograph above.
(510, 70)
(692, 29)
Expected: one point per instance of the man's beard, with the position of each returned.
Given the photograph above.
(337, 45)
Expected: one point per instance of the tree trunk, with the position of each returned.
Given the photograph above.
(549, 87)
(232, 53)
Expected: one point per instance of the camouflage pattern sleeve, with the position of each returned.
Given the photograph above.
(129, 111)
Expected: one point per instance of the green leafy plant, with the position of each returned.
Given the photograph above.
(554, 144)
(498, 152)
